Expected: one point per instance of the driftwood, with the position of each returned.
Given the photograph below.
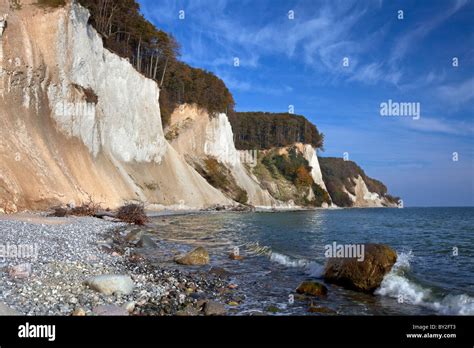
(103, 214)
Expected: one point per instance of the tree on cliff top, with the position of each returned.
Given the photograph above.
(154, 53)
(265, 130)
(338, 174)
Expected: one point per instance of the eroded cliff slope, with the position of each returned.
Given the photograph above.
(207, 143)
(77, 120)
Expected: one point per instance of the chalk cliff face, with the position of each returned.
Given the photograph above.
(76, 121)
(311, 155)
(197, 136)
(79, 122)
(363, 198)
(349, 186)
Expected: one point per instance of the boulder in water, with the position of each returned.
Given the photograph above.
(146, 242)
(198, 256)
(312, 288)
(235, 257)
(364, 276)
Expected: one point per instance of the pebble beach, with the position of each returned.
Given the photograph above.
(88, 266)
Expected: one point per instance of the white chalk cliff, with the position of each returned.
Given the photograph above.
(196, 135)
(363, 198)
(113, 149)
(311, 155)
(79, 122)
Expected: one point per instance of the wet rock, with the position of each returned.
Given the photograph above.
(189, 311)
(272, 309)
(219, 271)
(365, 275)
(201, 303)
(110, 284)
(134, 236)
(320, 309)
(146, 242)
(239, 298)
(235, 257)
(110, 310)
(198, 256)
(197, 296)
(301, 297)
(312, 288)
(214, 308)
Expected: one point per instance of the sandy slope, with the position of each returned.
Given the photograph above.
(196, 135)
(114, 152)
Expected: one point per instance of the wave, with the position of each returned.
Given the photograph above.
(312, 268)
(396, 285)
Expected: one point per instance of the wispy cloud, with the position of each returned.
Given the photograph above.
(374, 73)
(458, 94)
(246, 86)
(444, 126)
(409, 39)
(299, 61)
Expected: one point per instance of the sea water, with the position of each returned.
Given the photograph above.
(434, 273)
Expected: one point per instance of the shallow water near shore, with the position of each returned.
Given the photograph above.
(282, 249)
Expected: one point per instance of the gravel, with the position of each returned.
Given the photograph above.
(72, 252)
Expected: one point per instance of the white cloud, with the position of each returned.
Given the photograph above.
(409, 40)
(434, 125)
(245, 86)
(458, 94)
(320, 37)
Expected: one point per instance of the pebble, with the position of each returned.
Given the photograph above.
(111, 283)
(130, 306)
(79, 312)
(214, 308)
(69, 253)
(110, 310)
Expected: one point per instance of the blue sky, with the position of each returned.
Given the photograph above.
(299, 62)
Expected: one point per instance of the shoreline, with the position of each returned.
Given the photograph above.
(74, 250)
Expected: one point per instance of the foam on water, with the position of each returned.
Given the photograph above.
(396, 285)
(313, 269)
